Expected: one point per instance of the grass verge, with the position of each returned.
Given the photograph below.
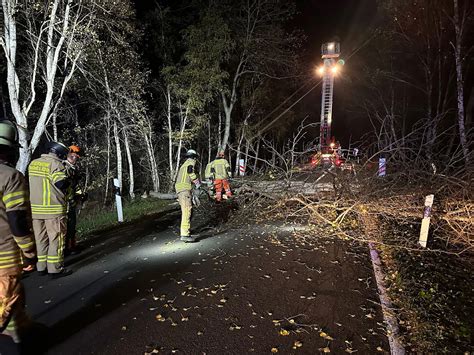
(96, 219)
(433, 294)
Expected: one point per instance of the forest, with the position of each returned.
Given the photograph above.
(135, 86)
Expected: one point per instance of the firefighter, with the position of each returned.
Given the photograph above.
(184, 184)
(48, 187)
(209, 179)
(220, 171)
(75, 196)
(17, 245)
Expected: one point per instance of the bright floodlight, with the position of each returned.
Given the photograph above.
(320, 70)
(331, 46)
(334, 69)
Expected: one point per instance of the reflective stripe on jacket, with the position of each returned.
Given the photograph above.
(14, 199)
(186, 175)
(47, 200)
(220, 169)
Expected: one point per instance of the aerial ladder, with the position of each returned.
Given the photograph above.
(327, 152)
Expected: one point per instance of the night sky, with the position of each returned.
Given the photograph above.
(322, 21)
(349, 21)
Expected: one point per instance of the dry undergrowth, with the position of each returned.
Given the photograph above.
(431, 288)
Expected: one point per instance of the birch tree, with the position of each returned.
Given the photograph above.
(192, 84)
(54, 35)
(261, 48)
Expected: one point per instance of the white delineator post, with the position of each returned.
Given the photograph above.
(382, 166)
(425, 223)
(118, 200)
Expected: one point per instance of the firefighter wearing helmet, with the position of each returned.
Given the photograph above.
(185, 180)
(49, 185)
(74, 196)
(219, 171)
(17, 244)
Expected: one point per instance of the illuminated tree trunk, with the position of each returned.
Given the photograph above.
(131, 176)
(460, 83)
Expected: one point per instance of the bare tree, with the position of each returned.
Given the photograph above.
(261, 48)
(56, 43)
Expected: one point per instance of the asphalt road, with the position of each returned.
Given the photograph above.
(138, 289)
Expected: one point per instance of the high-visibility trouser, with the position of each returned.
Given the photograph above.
(184, 199)
(220, 184)
(49, 236)
(13, 318)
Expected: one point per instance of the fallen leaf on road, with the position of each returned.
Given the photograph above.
(284, 332)
(274, 350)
(297, 344)
(325, 336)
(379, 349)
(325, 350)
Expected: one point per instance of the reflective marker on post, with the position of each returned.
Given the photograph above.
(382, 166)
(425, 223)
(118, 200)
(241, 167)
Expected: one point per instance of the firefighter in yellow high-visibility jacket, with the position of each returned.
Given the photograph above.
(184, 184)
(220, 171)
(48, 186)
(17, 245)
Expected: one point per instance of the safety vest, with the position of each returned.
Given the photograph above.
(186, 175)
(47, 200)
(220, 168)
(14, 198)
(207, 172)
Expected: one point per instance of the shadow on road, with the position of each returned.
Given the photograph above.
(118, 294)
